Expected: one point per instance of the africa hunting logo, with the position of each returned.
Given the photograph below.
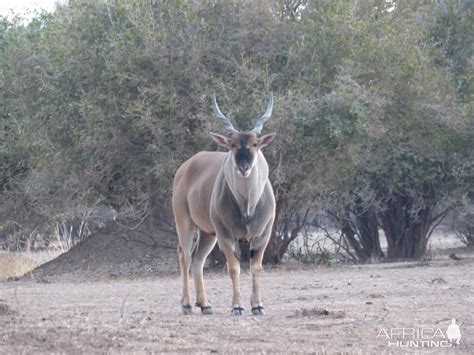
(422, 337)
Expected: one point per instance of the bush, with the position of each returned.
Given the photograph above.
(100, 102)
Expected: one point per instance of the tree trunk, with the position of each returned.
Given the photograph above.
(406, 231)
(216, 258)
(289, 220)
(273, 253)
(363, 234)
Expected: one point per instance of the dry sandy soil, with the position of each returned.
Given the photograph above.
(318, 309)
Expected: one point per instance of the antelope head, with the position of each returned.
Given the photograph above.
(243, 146)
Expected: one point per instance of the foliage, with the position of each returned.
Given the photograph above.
(100, 102)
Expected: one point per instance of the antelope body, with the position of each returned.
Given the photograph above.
(227, 197)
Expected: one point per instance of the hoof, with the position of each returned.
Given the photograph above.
(258, 311)
(208, 310)
(238, 311)
(187, 309)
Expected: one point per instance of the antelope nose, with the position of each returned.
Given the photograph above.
(244, 167)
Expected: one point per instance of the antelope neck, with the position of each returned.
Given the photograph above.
(246, 190)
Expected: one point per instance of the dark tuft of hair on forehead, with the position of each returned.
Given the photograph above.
(244, 139)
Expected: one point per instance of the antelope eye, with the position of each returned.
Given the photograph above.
(255, 144)
(232, 145)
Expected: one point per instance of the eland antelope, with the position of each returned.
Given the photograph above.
(227, 197)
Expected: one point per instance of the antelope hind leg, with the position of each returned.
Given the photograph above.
(204, 246)
(185, 233)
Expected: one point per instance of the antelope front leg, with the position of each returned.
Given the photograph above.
(256, 257)
(233, 266)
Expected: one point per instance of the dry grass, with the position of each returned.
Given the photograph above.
(16, 264)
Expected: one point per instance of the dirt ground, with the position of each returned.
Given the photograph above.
(318, 309)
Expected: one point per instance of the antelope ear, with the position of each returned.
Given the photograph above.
(221, 140)
(266, 139)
